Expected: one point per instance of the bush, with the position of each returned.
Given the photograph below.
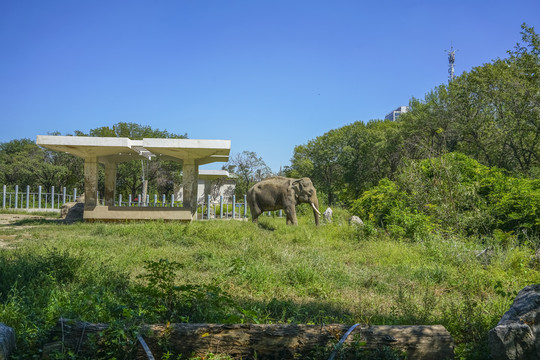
(389, 207)
(453, 194)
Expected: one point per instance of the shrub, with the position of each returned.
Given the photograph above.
(388, 206)
(453, 194)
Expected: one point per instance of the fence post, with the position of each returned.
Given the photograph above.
(233, 205)
(4, 197)
(221, 206)
(64, 195)
(16, 195)
(28, 197)
(129, 200)
(208, 207)
(75, 194)
(139, 198)
(52, 197)
(172, 200)
(39, 197)
(163, 201)
(280, 213)
(245, 206)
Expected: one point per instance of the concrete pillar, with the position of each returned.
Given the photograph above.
(90, 181)
(190, 184)
(110, 183)
(208, 187)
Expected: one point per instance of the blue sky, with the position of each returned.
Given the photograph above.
(268, 75)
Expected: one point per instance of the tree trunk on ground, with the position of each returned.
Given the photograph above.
(271, 341)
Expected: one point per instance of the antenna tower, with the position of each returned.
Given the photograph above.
(451, 60)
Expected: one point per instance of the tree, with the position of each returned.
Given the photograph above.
(22, 162)
(491, 113)
(249, 169)
(344, 162)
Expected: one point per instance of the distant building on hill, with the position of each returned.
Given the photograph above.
(395, 114)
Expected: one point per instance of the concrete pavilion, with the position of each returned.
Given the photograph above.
(110, 151)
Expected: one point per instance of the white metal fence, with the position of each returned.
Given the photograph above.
(38, 199)
(16, 198)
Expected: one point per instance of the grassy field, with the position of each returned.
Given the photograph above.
(235, 271)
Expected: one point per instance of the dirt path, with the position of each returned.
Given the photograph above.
(9, 219)
(8, 240)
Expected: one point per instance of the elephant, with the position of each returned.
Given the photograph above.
(284, 193)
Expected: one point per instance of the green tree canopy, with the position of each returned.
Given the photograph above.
(22, 162)
(491, 114)
(249, 168)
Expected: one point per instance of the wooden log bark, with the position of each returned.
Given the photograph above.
(275, 341)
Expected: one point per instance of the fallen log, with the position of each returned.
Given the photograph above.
(269, 341)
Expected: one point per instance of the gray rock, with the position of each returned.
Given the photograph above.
(72, 211)
(355, 220)
(328, 214)
(517, 336)
(7, 341)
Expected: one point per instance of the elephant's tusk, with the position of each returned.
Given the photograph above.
(314, 208)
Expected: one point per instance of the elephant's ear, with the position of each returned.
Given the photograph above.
(296, 185)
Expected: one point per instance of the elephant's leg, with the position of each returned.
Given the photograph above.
(290, 211)
(255, 217)
(255, 213)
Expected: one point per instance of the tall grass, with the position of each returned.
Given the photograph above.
(234, 271)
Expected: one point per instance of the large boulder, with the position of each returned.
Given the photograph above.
(517, 335)
(7, 341)
(328, 214)
(355, 220)
(72, 211)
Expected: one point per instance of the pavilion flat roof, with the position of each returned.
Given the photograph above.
(213, 174)
(203, 151)
(124, 149)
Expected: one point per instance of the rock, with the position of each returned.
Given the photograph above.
(72, 211)
(355, 220)
(7, 341)
(328, 214)
(65, 209)
(516, 336)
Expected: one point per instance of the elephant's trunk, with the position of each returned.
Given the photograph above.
(316, 212)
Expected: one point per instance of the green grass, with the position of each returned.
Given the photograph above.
(32, 212)
(236, 271)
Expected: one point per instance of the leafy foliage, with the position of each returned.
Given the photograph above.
(491, 114)
(22, 162)
(453, 194)
(249, 168)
